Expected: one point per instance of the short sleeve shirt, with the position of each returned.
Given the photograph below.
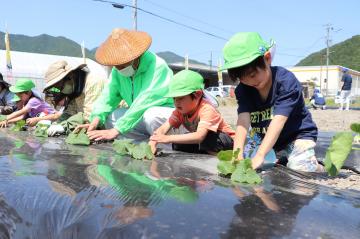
(347, 79)
(38, 106)
(205, 116)
(285, 98)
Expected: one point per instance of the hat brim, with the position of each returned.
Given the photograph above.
(239, 63)
(62, 75)
(178, 93)
(14, 89)
(112, 53)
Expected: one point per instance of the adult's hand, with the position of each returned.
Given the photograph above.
(89, 127)
(107, 134)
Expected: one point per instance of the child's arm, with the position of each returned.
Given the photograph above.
(13, 120)
(14, 117)
(271, 136)
(190, 138)
(162, 130)
(18, 113)
(33, 121)
(242, 127)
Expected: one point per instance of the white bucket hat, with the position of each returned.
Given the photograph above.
(57, 71)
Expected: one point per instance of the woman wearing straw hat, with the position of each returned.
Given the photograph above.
(7, 106)
(138, 77)
(74, 88)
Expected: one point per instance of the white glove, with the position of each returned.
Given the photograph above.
(45, 122)
(55, 129)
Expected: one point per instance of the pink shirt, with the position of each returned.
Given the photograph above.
(38, 106)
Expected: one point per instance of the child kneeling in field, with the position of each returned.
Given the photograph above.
(270, 100)
(34, 107)
(208, 132)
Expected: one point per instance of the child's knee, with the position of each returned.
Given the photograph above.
(304, 164)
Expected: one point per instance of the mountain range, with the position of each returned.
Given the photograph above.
(62, 46)
(346, 53)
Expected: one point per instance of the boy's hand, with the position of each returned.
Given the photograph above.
(107, 134)
(161, 138)
(153, 146)
(257, 161)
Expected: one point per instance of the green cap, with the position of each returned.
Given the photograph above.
(22, 85)
(243, 48)
(15, 98)
(185, 82)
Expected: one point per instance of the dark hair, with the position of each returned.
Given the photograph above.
(242, 71)
(193, 95)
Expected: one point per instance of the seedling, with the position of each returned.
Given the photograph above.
(41, 130)
(136, 151)
(79, 138)
(19, 126)
(337, 152)
(240, 170)
(355, 127)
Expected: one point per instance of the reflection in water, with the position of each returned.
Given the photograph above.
(52, 190)
(267, 212)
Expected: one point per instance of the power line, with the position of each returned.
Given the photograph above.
(189, 17)
(115, 4)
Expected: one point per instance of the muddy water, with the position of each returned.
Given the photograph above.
(52, 190)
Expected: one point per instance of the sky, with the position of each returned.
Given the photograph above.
(298, 27)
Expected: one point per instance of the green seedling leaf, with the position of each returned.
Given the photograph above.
(226, 167)
(225, 155)
(245, 174)
(338, 152)
(18, 126)
(79, 138)
(228, 155)
(146, 149)
(235, 154)
(136, 151)
(41, 130)
(123, 146)
(2, 117)
(355, 127)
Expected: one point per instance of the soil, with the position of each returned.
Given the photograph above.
(329, 120)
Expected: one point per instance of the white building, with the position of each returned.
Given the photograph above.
(330, 86)
(34, 66)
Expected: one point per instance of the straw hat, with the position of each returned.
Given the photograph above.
(122, 46)
(58, 70)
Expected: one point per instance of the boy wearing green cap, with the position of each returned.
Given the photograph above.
(270, 101)
(34, 108)
(208, 132)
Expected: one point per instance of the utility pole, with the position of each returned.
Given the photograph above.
(328, 42)
(210, 61)
(135, 14)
